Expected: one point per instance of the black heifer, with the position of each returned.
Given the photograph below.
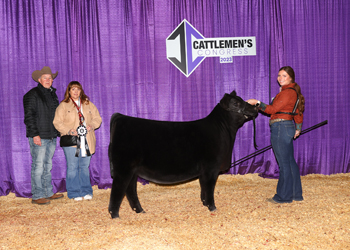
(173, 152)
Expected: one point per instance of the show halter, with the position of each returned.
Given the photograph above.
(241, 110)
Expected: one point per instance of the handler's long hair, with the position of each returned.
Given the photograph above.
(83, 98)
(290, 72)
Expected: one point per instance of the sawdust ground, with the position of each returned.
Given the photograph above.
(176, 219)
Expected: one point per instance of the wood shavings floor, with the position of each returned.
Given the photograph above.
(176, 219)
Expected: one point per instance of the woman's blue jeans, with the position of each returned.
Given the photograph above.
(289, 183)
(78, 177)
(41, 167)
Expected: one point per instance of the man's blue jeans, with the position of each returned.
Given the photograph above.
(41, 167)
(78, 177)
(289, 183)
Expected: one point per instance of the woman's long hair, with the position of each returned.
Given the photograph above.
(290, 72)
(83, 98)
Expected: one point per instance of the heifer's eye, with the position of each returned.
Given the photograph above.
(239, 99)
(236, 102)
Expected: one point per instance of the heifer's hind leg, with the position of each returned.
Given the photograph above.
(131, 194)
(121, 181)
(207, 182)
(116, 197)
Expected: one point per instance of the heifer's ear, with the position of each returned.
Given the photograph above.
(225, 101)
(233, 93)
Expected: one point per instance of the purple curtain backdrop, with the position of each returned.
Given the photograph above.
(117, 50)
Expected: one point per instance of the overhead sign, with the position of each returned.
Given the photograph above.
(187, 48)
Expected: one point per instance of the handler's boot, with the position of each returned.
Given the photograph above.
(41, 201)
(55, 197)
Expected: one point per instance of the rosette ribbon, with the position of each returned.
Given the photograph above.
(81, 142)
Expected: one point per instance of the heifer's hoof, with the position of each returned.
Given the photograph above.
(141, 212)
(114, 215)
(138, 210)
(212, 208)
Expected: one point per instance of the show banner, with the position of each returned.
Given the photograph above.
(187, 48)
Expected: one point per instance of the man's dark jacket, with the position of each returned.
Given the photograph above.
(39, 110)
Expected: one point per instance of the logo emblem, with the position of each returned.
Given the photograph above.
(186, 48)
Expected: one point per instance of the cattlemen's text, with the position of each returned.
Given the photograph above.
(222, 44)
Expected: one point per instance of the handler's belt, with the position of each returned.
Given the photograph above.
(277, 120)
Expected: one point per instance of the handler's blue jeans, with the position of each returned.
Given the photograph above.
(41, 167)
(289, 183)
(78, 177)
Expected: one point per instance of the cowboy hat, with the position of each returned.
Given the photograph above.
(45, 70)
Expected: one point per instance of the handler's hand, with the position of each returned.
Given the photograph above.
(88, 128)
(37, 140)
(297, 133)
(73, 132)
(252, 101)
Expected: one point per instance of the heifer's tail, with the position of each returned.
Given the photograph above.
(110, 160)
(111, 131)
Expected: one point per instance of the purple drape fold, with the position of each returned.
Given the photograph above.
(116, 49)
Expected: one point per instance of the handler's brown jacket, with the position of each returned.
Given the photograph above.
(67, 118)
(284, 102)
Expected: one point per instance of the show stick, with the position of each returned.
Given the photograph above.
(260, 151)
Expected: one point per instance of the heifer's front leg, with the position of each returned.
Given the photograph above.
(207, 183)
(131, 194)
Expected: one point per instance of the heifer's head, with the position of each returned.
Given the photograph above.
(241, 110)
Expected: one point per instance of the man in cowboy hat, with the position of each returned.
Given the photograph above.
(40, 104)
